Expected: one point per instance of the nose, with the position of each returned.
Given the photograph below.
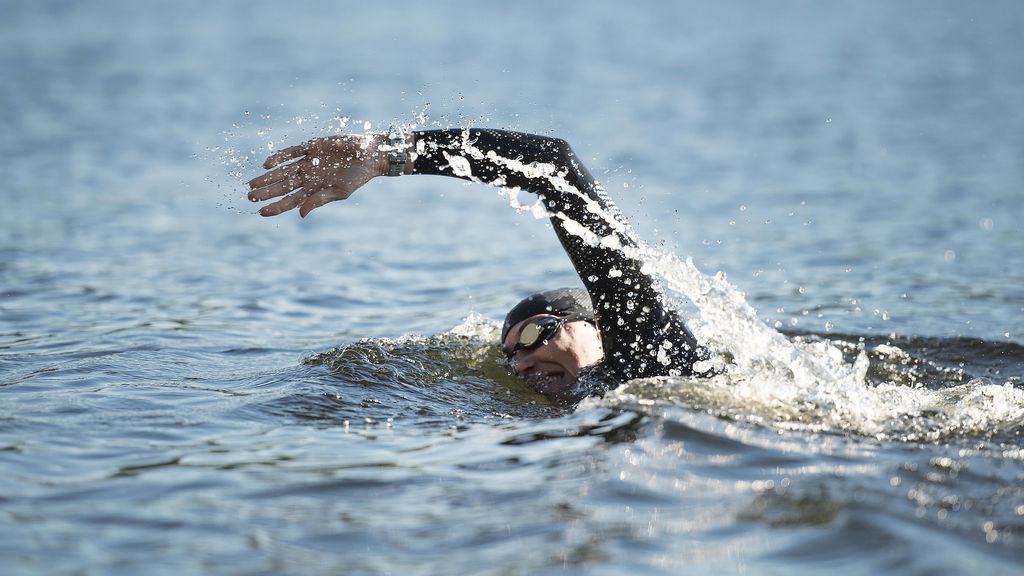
(522, 361)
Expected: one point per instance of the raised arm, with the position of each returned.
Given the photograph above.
(641, 336)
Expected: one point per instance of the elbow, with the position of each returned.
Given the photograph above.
(561, 151)
(561, 147)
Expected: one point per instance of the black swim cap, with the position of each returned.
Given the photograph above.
(569, 303)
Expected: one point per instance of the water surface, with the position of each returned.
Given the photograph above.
(188, 388)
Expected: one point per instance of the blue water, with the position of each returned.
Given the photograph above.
(186, 387)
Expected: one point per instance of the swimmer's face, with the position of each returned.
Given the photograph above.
(553, 368)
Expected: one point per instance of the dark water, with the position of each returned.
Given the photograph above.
(188, 388)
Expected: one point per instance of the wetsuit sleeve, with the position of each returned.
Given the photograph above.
(640, 335)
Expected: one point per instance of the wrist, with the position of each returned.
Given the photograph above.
(397, 151)
(380, 148)
(410, 145)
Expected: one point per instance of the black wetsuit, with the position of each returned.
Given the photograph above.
(640, 335)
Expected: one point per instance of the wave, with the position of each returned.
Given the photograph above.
(905, 389)
(909, 389)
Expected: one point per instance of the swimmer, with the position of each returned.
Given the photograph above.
(566, 343)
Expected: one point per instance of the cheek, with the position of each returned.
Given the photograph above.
(572, 357)
(575, 356)
(592, 350)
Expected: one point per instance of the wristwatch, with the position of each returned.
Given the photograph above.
(397, 154)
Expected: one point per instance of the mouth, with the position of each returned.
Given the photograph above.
(548, 382)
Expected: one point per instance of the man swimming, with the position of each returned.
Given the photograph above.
(567, 343)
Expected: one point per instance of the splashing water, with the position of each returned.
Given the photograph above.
(246, 144)
(802, 383)
(790, 383)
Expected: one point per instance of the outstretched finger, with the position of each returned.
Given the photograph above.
(278, 174)
(284, 155)
(274, 189)
(315, 201)
(284, 204)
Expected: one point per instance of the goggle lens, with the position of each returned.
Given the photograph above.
(535, 334)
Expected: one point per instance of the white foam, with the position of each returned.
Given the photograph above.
(790, 383)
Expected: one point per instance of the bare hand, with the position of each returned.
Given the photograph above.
(327, 169)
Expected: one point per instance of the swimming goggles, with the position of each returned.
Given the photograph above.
(535, 334)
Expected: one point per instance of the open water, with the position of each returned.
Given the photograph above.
(833, 192)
